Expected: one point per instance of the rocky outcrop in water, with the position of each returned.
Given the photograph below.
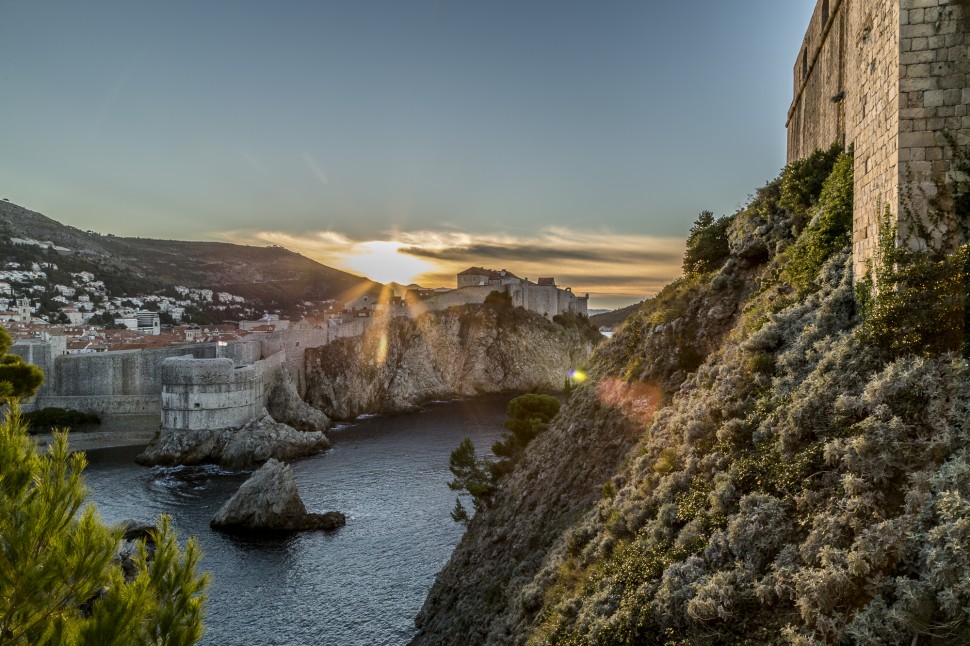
(459, 352)
(269, 502)
(286, 407)
(242, 448)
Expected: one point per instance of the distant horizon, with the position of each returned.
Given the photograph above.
(403, 141)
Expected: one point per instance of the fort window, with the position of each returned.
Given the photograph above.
(805, 63)
(198, 405)
(825, 12)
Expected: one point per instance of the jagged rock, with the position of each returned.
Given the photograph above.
(269, 501)
(247, 447)
(286, 406)
(135, 529)
(265, 438)
(172, 447)
(459, 352)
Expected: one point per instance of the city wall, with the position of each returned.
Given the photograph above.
(200, 394)
(230, 383)
(547, 300)
(211, 385)
(886, 78)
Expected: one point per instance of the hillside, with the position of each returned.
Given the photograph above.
(272, 277)
(616, 317)
(763, 454)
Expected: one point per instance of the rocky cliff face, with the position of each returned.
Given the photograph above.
(750, 462)
(463, 351)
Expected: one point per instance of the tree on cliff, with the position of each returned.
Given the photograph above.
(61, 581)
(529, 415)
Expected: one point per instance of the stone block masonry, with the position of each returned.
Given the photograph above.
(887, 78)
(199, 394)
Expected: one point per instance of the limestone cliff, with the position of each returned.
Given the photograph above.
(756, 459)
(463, 351)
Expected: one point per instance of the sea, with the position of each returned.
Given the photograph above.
(360, 585)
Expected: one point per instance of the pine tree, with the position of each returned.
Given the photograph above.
(60, 579)
(17, 377)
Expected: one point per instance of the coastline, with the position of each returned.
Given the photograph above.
(89, 440)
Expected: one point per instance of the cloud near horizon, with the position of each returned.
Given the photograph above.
(615, 269)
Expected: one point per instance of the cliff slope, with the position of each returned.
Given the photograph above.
(459, 352)
(758, 457)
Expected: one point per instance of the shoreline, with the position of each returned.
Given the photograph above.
(90, 440)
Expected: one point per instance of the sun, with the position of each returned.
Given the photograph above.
(382, 260)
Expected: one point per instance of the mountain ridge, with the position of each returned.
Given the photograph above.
(277, 277)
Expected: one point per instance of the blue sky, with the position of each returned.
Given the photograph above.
(402, 138)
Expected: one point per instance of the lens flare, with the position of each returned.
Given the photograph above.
(577, 376)
(382, 350)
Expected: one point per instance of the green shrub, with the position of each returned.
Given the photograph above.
(581, 323)
(707, 244)
(829, 232)
(529, 415)
(801, 184)
(60, 579)
(914, 302)
(47, 419)
(17, 377)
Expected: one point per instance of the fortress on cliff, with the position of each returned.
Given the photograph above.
(889, 80)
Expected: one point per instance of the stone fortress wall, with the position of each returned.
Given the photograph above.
(886, 78)
(199, 394)
(140, 383)
(547, 300)
(212, 385)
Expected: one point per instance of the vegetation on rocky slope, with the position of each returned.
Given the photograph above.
(756, 459)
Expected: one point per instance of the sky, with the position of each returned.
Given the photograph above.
(403, 140)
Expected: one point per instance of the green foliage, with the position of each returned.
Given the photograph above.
(60, 582)
(828, 232)
(50, 418)
(914, 302)
(472, 474)
(581, 323)
(17, 377)
(707, 244)
(801, 184)
(529, 415)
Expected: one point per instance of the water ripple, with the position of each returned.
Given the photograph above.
(361, 585)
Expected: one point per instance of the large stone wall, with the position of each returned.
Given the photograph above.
(547, 300)
(885, 78)
(200, 394)
(130, 383)
(41, 353)
(934, 95)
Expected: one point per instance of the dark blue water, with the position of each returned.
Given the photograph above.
(361, 585)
